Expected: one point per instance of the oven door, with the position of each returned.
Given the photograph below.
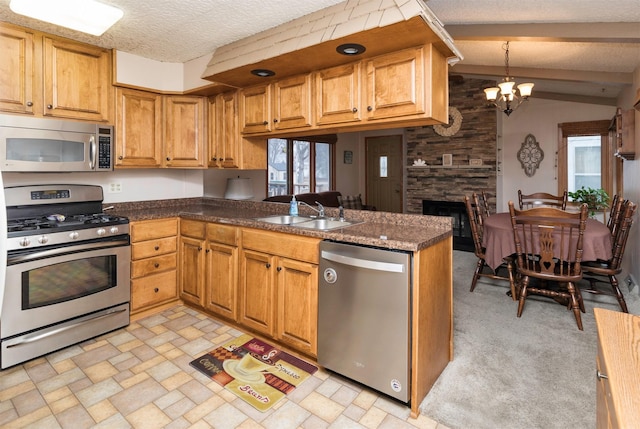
(46, 287)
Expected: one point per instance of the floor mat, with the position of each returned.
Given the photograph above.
(255, 371)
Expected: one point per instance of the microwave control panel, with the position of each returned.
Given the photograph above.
(104, 148)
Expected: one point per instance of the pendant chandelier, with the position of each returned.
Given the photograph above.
(505, 97)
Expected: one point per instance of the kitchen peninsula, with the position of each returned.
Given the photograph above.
(217, 233)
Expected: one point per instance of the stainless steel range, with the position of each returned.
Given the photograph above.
(67, 274)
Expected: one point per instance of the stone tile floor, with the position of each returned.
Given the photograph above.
(139, 377)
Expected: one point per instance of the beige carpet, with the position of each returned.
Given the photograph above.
(537, 371)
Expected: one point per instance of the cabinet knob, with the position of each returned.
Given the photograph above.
(354, 110)
(207, 251)
(157, 247)
(49, 106)
(29, 103)
(275, 120)
(168, 159)
(265, 123)
(156, 290)
(601, 376)
(369, 108)
(268, 265)
(199, 248)
(156, 265)
(279, 269)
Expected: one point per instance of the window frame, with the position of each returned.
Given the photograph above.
(330, 139)
(587, 128)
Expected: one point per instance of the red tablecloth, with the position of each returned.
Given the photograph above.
(498, 240)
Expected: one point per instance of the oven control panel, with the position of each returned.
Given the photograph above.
(52, 194)
(65, 237)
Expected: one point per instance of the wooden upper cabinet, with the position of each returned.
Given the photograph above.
(138, 128)
(17, 70)
(223, 131)
(292, 103)
(338, 94)
(49, 76)
(255, 109)
(184, 131)
(395, 84)
(77, 80)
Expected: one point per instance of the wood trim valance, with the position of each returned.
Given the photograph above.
(585, 128)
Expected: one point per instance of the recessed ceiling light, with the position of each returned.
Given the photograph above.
(88, 16)
(263, 72)
(350, 49)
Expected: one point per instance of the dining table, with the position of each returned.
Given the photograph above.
(499, 243)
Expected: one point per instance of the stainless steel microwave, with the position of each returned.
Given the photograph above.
(30, 144)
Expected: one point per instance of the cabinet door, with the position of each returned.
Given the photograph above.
(192, 260)
(227, 119)
(255, 109)
(292, 102)
(77, 81)
(184, 131)
(395, 84)
(257, 300)
(138, 128)
(17, 70)
(338, 94)
(221, 280)
(297, 304)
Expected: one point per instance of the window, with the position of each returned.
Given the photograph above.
(301, 165)
(585, 156)
(583, 162)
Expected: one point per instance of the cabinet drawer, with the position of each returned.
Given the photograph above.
(149, 229)
(154, 265)
(152, 290)
(192, 228)
(147, 249)
(224, 234)
(287, 245)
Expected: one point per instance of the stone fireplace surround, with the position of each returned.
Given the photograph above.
(476, 139)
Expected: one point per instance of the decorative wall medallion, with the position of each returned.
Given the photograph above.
(455, 121)
(530, 155)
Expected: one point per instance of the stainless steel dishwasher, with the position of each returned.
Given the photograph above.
(364, 330)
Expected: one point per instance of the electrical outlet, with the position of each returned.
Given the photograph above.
(630, 283)
(115, 188)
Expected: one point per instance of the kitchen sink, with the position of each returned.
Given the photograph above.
(284, 219)
(325, 224)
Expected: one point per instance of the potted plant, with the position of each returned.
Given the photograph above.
(596, 199)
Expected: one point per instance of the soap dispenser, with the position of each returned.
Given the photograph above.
(293, 207)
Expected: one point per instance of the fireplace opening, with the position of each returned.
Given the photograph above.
(462, 238)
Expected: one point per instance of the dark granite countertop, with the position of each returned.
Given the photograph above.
(380, 229)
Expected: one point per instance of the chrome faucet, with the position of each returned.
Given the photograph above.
(319, 210)
(341, 215)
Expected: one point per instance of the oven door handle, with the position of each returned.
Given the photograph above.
(26, 257)
(37, 337)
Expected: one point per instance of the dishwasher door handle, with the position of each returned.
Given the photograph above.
(362, 263)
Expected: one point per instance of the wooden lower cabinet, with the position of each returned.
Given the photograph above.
(618, 369)
(297, 291)
(279, 287)
(153, 263)
(221, 272)
(192, 261)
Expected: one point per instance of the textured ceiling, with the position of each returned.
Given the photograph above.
(600, 56)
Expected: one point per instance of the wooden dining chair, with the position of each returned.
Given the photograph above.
(484, 204)
(476, 223)
(538, 199)
(616, 213)
(549, 248)
(606, 271)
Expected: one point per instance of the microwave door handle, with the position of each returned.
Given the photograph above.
(92, 153)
